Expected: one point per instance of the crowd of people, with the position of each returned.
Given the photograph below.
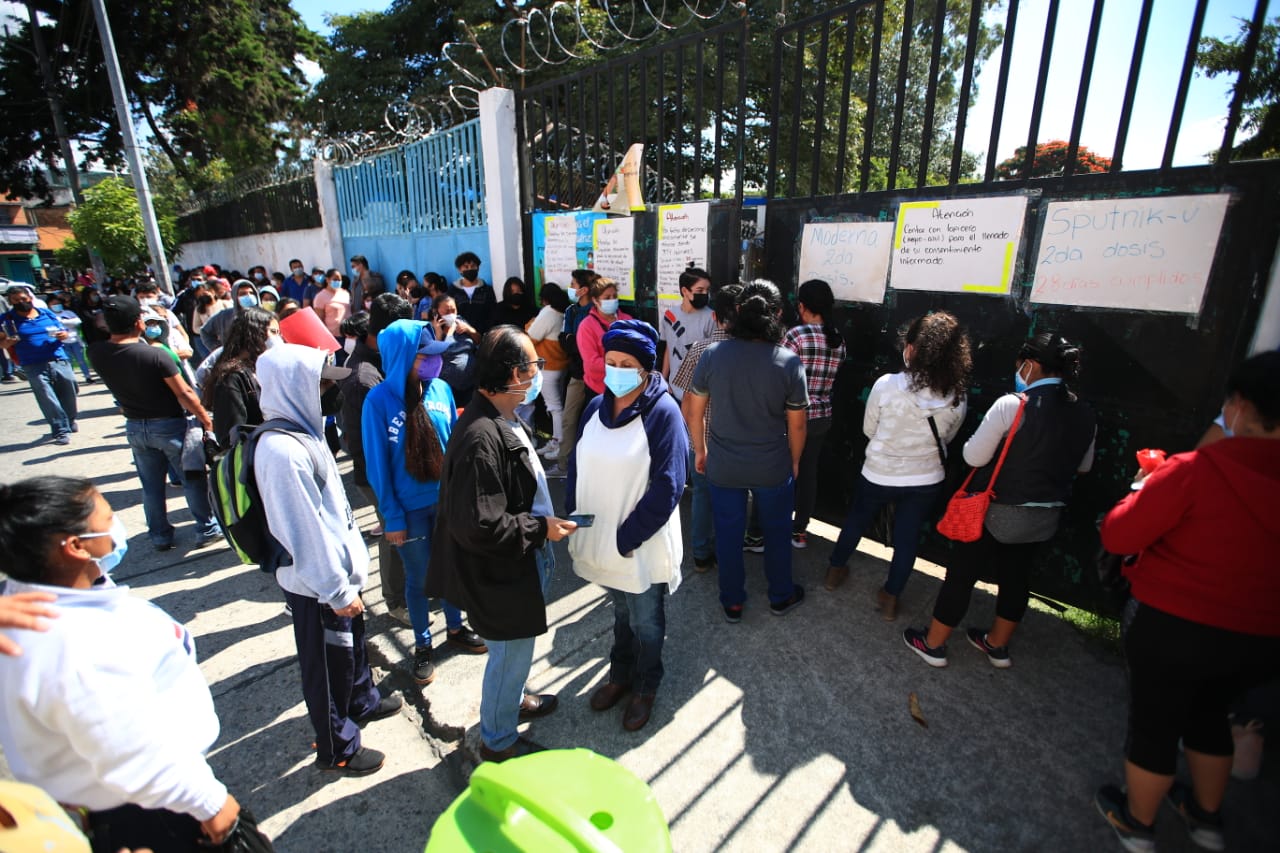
(431, 388)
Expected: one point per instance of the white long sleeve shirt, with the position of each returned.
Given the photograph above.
(108, 706)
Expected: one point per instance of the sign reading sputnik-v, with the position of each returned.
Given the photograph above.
(1136, 254)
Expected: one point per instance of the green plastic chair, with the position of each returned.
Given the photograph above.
(558, 800)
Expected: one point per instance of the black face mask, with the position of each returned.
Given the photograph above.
(205, 301)
(331, 401)
(471, 275)
(700, 300)
(516, 300)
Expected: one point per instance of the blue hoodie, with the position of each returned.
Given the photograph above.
(383, 425)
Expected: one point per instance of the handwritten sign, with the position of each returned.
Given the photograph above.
(958, 245)
(852, 257)
(1145, 254)
(562, 243)
(615, 255)
(682, 243)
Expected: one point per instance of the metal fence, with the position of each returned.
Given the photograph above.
(289, 206)
(434, 184)
(685, 100)
(847, 113)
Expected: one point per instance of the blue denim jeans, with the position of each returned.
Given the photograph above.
(639, 628)
(76, 353)
(54, 385)
(910, 506)
(157, 447)
(702, 535)
(415, 554)
(729, 506)
(505, 672)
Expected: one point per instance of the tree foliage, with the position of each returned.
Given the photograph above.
(1261, 115)
(110, 222)
(211, 81)
(1051, 161)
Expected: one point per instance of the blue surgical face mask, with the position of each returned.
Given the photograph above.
(119, 545)
(318, 278)
(247, 300)
(621, 380)
(258, 276)
(1019, 384)
(336, 284)
(609, 306)
(154, 332)
(532, 392)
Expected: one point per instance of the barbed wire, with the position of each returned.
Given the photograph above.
(550, 37)
(247, 182)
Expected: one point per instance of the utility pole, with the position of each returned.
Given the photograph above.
(51, 88)
(158, 261)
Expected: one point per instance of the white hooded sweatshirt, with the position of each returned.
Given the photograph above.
(317, 528)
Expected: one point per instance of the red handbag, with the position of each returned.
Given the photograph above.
(967, 511)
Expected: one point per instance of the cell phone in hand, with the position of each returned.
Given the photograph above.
(582, 520)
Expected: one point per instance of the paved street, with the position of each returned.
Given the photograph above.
(773, 734)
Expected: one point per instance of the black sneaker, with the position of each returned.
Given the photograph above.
(754, 544)
(998, 655)
(915, 640)
(467, 640)
(781, 608)
(733, 613)
(1113, 805)
(1205, 829)
(424, 670)
(704, 564)
(388, 706)
(364, 762)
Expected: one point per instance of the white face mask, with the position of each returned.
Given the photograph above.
(349, 345)
(449, 319)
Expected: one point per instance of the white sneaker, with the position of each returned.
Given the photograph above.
(550, 451)
(554, 472)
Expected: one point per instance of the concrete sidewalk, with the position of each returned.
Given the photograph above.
(773, 734)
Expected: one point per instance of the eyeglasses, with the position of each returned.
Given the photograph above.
(540, 363)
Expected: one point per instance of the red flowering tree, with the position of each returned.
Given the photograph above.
(1050, 161)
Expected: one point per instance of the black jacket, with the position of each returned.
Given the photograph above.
(366, 374)
(482, 552)
(235, 403)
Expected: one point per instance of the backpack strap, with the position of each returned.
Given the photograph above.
(285, 426)
(937, 439)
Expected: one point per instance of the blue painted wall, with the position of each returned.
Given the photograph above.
(421, 253)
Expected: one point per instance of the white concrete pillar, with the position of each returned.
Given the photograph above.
(327, 195)
(501, 184)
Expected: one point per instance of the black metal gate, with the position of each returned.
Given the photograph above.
(851, 135)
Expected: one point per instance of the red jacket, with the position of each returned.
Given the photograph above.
(1206, 527)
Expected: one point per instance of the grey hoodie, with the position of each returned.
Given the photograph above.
(330, 559)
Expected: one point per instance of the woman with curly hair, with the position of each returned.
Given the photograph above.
(230, 391)
(909, 419)
(1053, 432)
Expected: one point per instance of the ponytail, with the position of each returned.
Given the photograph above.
(423, 455)
(816, 296)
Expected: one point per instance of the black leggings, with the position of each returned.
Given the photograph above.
(1183, 677)
(1009, 564)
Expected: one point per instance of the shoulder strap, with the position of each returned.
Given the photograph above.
(937, 439)
(1013, 429)
(287, 427)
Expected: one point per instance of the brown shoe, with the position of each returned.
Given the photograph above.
(607, 695)
(638, 711)
(522, 746)
(533, 706)
(887, 604)
(835, 577)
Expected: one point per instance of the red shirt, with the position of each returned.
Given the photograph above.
(1206, 527)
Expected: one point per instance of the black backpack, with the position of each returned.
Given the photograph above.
(237, 503)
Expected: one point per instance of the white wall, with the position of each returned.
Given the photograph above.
(313, 246)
